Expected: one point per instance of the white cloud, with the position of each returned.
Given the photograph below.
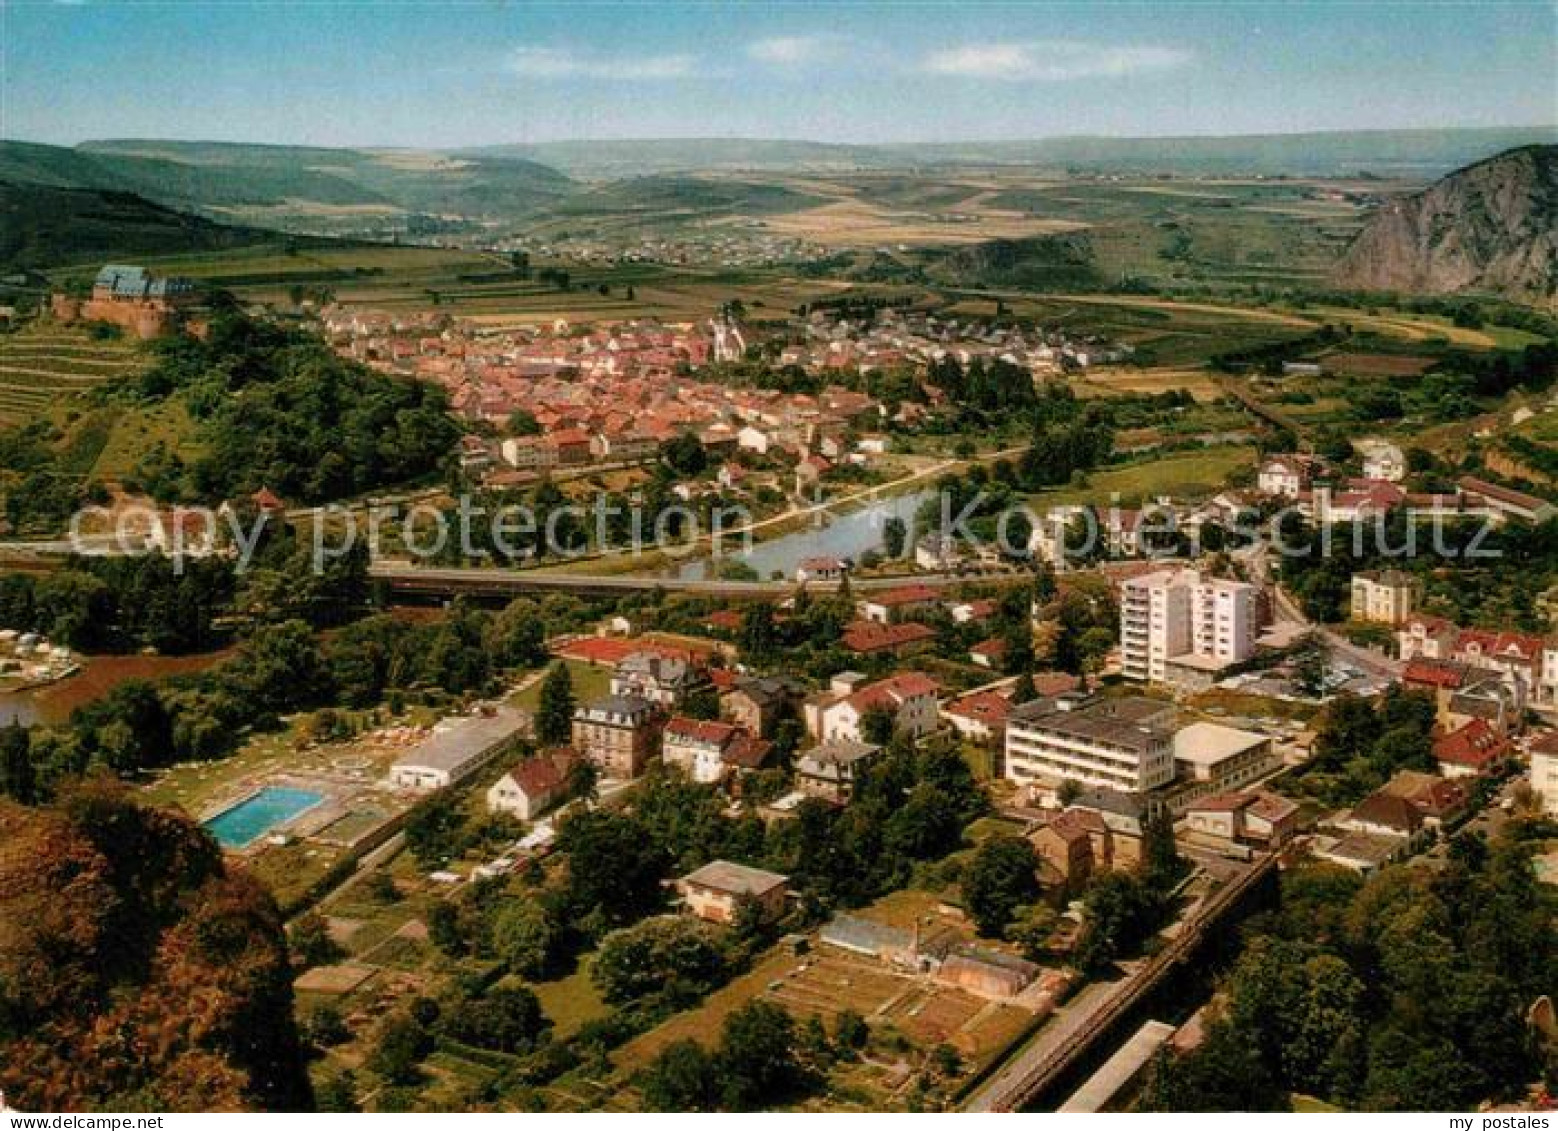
(562, 63)
(1053, 60)
(792, 50)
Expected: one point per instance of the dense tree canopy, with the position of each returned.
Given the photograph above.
(122, 920)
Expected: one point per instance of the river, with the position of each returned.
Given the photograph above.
(848, 535)
(53, 703)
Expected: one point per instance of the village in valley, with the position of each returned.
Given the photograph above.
(891, 791)
(723, 624)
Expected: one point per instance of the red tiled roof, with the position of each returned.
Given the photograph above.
(545, 773)
(700, 730)
(1434, 673)
(904, 595)
(1388, 811)
(1499, 493)
(989, 707)
(747, 752)
(894, 690)
(1505, 645)
(1476, 745)
(868, 636)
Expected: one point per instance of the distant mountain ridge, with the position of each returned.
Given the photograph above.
(1490, 227)
(1395, 153)
(221, 179)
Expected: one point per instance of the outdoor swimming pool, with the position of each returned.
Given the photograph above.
(257, 814)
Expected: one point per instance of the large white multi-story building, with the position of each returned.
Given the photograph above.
(1175, 622)
(1124, 744)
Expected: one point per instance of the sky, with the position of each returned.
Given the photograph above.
(447, 74)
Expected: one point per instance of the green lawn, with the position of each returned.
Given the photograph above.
(589, 682)
(572, 1001)
(1179, 475)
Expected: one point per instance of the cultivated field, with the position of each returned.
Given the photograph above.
(43, 364)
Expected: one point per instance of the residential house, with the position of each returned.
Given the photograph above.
(820, 569)
(867, 638)
(1258, 818)
(1288, 476)
(716, 892)
(1471, 750)
(1381, 597)
(1072, 847)
(619, 733)
(829, 769)
(909, 696)
(758, 703)
(1406, 804)
(534, 786)
(981, 715)
(989, 653)
(707, 751)
(1544, 772)
(897, 604)
(663, 680)
(1382, 460)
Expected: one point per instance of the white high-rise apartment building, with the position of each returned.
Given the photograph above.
(1177, 619)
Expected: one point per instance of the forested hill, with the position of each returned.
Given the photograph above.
(120, 921)
(265, 407)
(46, 226)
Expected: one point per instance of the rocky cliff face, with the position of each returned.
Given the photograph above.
(1491, 227)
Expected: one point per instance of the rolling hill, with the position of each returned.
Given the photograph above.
(45, 226)
(258, 183)
(1491, 227)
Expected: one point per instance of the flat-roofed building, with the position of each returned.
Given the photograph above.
(458, 748)
(1124, 744)
(1177, 621)
(1210, 758)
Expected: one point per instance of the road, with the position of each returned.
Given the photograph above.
(1257, 559)
(407, 578)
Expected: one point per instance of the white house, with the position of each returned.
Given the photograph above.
(910, 696)
(753, 439)
(533, 786)
(1382, 460)
(1287, 476)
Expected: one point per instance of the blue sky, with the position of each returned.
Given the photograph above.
(376, 72)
